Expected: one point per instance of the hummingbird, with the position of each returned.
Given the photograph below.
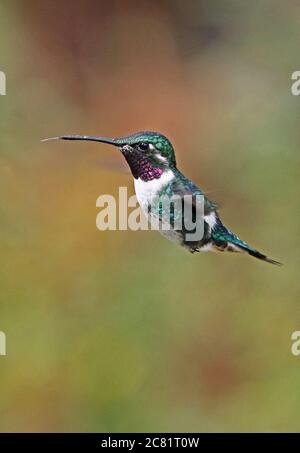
(151, 158)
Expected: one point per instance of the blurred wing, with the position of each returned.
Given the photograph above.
(118, 166)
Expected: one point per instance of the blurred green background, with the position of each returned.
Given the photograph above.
(123, 331)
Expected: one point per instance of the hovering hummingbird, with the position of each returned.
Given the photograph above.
(151, 158)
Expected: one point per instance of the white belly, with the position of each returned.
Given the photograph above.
(147, 191)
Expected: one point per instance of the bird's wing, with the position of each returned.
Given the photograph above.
(185, 187)
(193, 209)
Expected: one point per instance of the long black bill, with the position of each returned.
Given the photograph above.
(109, 141)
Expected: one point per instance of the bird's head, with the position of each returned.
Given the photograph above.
(150, 145)
(142, 150)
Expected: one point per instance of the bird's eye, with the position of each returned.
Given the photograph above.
(144, 146)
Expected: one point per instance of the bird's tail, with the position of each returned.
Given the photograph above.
(224, 239)
(258, 255)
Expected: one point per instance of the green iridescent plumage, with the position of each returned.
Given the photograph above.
(159, 141)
